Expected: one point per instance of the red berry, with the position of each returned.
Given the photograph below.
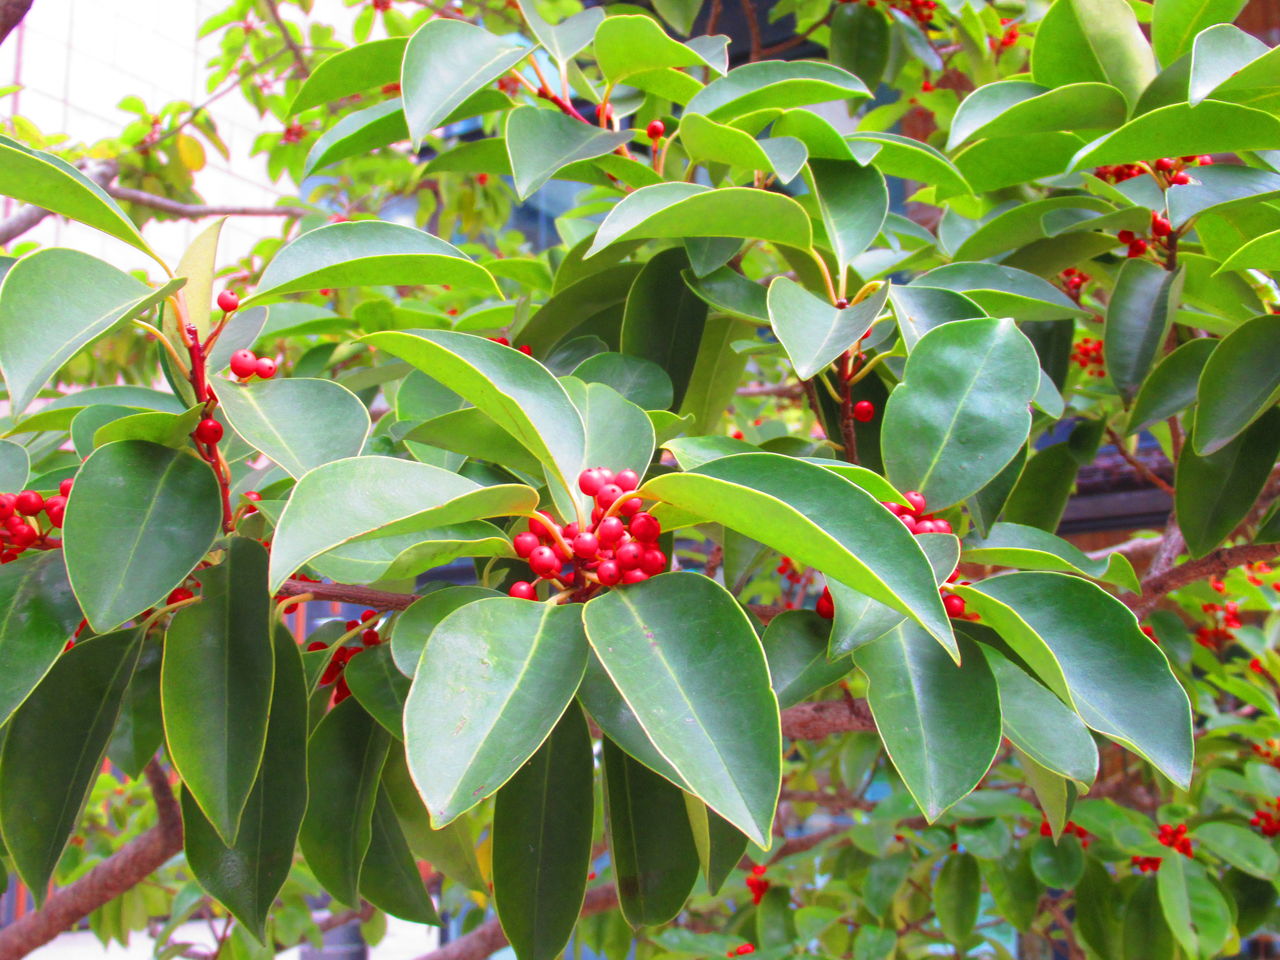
(1160, 226)
(23, 534)
(864, 410)
(523, 590)
(367, 615)
(826, 606)
(543, 526)
(645, 526)
(6, 505)
(228, 301)
(544, 562)
(917, 501)
(209, 431)
(634, 576)
(656, 129)
(265, 368)
(608, 494)
(1126, 236)
(954, 605)
(653, 561)
(610, 529)
(628, 480)
(64, 487)
(925, 526)
(590, 482)
(244, 363)
(609, 573)
(525, 544)
(29, 503)
(54, 504)
(631, 506)
(586, 546)
(1164, 164)
(370, 638)
(178, 595)
(1180, 178)
(942, 526)
(629, 555)
(1136, 249)
(526, 349)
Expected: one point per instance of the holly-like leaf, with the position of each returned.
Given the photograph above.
(775, 83)
(814, 332)
(491, 684)
(1181, 129)
(1176, 23)
(676, 640)
(138, 520)
(216, 685)
(1096, 41)
(1011, 108)
(53, 749)
(412, 628)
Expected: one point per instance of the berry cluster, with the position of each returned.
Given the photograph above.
(1175, 838)
(20, 525)
(757, 884)
(1161, 228)
(1168, 171)
(246, 365)
(1267, 818)
(619, 546)
(333, 671)
(914, 516)
(523, 348)
(1073, 282)
(1147, 864)
(1226, 619)
(1072, 829)
(744, 949)
(1269, 751)
(919, 10)
(1087, 355)
(1009, 37)
(293, 133)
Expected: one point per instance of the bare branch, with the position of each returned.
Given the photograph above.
(298, 58)
(28, 216)
(1139, 467)
(194, 211)
(813, 721)
(1216, 564)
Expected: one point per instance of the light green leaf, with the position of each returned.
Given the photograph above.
(813, 332)
(402, 556)
(1030, 548)
(451, 850)
(1013, 108)
(707, 141)
(853, 201)
(354, 70)
(643, 382)
(1002, 291)
(775, 83)
(1229, 64)
(1175, 24)
(540, 142)
(1171, 385)
(198, 265)
(1180, 129)
(1093, 41)
(413, 627)
(957, 891)
(630, 44)
(1240, 381)
(567, 38)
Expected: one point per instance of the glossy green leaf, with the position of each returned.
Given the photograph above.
(1057, 864)
(379, 686)
(716, 373)
(669, 644)
(1240, 847)
(1013, 108)
(140, 517)
(655, 860)
(693, 210)
(1214, 494)
(618, 432)
(813, 331)
(795, 643)
(216, 685)
(720, 844)
(861, 40)
(956, 892)
(990, 164)
(46, 181)
(348, 499)
(939, 722)
(566, 38)
(919, 309)
(15, 465)
(198, 265)
(1085, 645)
(470, 432)
(53, 752)
(663, 316)
(641, 381)
(299, 423)
(853, 201)
(1144, 933)
(344, 761)
(154, 426)
(540, 142)
(614, 716)
(359, 132)
(1040, 725)
(1002, 291)
(493, 681)
(1043, 487)
(1193, 907)
(412, 628)
(1180, 129)
(365, 253)
(72, 298)
(451, 850)
(1239, 382)
(519, 393)
(139, 730)
(728, 291)
(374, 63)
(38, 614)
(1227, 64)
(1014, 888)
(899, 156)
(542, 829)
(960, 414)
(389, 877)
(1138, 317)
(818, 519)
(246, 876)
(1030, 548)
(1096, 41)
(402, 556)
(1171, 386)
(775, 83)
(1175, 23)
(630, 44)
(445, 62)
(706, 141)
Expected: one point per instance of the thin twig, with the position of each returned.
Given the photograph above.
(753, 26)
(1142, 469)
(292, 44)
(195, 211)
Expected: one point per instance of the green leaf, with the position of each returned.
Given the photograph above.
(139, 730)
(403, 556)
(628, 45)
(1213, 494)
(861, 41)
(1229, 64)
(542, 829)
(450, 850)
(653, 639)
(853, 201)
(716, 373)
(1145, 933)
(919, 309)
(1175, 23)
(985, 505)
(51, 183)
(818, 519)
(885, 878)
(354, 70)
(1240, 381)
(198, 264)
(1093, 41)
(246, 876)
(795, 643)
(618, 432)
(72, 299)
(367, 253)
(775, 83)
(813, 332)
(990, 165)
(344, 761)
(299, 423)
(359, 132)
(940, 722)
(349, 499)
(1002, 291)
(140, 517)
(728, 291)
(1180, 129)
(663, 317)
(1043, 487)
(1241, 848)
(412, 628)
(540, 142)
(1193, 907)
(216, 685)
(706, 141)
(956, 893)
(655, 860)
(470, 432)
(1014, 888)
(567, 38)
(53, 751)
(1030, 548)
(692, 210)
(492, 682)
(872, 942)
(1171, 386)
(38, 614)
(155, 426)
(960, 414)
(899, 156)
(1059, 864)
(641, 381)
(615, 718)
(445, 62)
(1040, 725)
(720, 844)
(519, 393)
(1138, 317)
(1222, 190)
(379, 686)
(389, 877)
(1012, 108)
(1063, 628)
(679, 13)
(15, 465)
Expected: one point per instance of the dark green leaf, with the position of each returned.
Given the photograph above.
(641, 381)
(1138, 317)
(1058, 864)
(663, 317)
(860, 42)
(1171, 386)
(1240, 380)
(795, 643)
(1030, 548)
(853, 201)
(1043, 488)
(956, 893)
(1180, 129)
(379, 686)
(720, 844)
(813, 331)
(139, 730)
(389, 877)
(1145, 935)
(451, 850)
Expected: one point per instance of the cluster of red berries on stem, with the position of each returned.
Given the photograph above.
(246, 365)
(1147, 864)
(757, 884)
(1269, 752)
(1071, 829)
(918, 521)
(1158, 237)
(1175, 838)
(21, 528)
(333, 671)
(920, 11)
(1226, 618)
(1267, 818)
(1073, 282)
(741, 950)
(1009, 37)
(618, 546)
(1087, 355)
(523, 348)
(1168, 171)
